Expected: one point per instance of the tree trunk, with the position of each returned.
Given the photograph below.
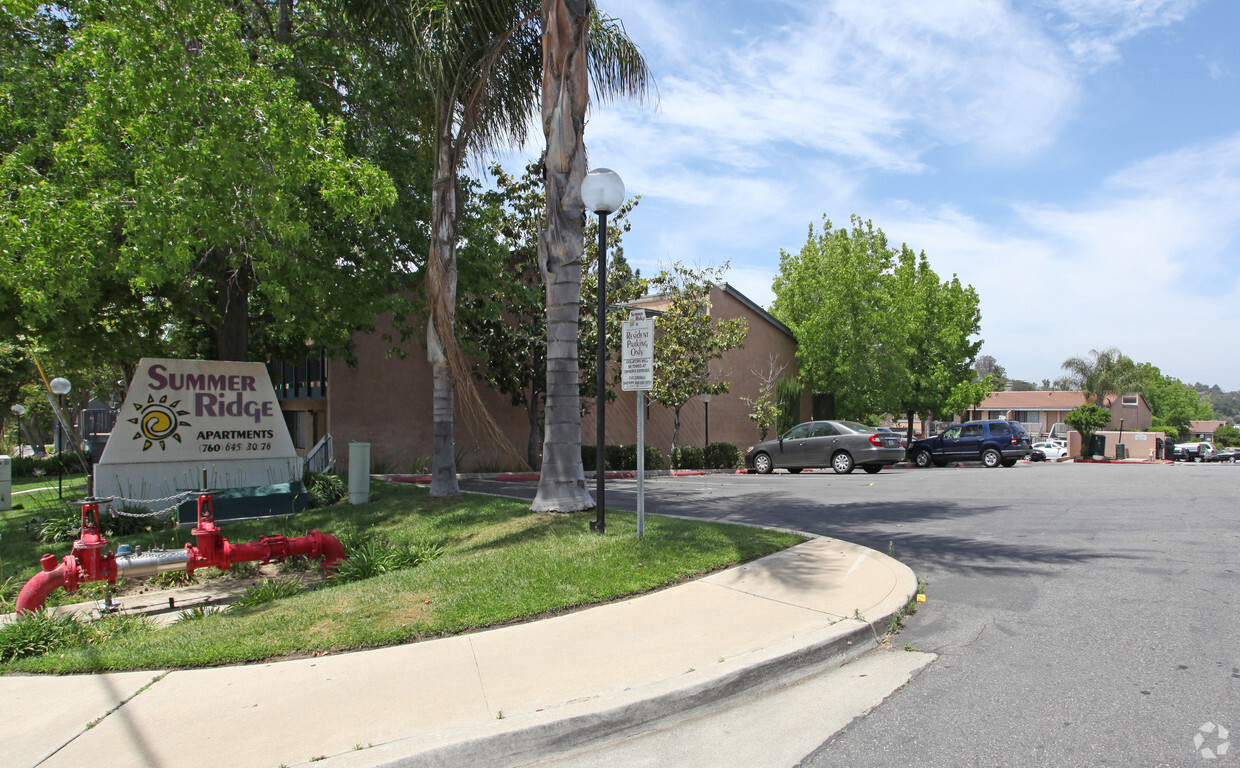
(531, 447)
(232, 334)
(441, 305)
(562, 484)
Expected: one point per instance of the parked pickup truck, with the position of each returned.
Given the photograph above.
(1202, 451)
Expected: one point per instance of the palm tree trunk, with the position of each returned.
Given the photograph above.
(562, 484)
(441, 306)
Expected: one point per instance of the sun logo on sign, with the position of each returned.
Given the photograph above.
(158, 421)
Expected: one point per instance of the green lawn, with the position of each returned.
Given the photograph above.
(499, 562)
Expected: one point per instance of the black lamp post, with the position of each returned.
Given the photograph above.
(706, 415)
(19, 410)
(602, 191)
(60, 387)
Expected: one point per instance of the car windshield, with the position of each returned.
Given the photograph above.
(857, 427)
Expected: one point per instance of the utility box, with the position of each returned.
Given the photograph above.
(6, 483)
(1121, 451)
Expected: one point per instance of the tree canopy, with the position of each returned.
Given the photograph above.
(877, 332)
(172, 172)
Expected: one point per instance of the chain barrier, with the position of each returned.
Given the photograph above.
(176, 498)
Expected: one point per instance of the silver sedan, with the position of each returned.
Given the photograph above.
(841, 445)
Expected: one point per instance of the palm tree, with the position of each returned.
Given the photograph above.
(483, 62)
(1110, 371)
(579, 45)
(480, 62)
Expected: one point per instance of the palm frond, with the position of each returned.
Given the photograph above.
(617, 67)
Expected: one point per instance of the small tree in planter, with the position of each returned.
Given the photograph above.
(1087, 419)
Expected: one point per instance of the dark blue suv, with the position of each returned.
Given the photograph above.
(994, 443)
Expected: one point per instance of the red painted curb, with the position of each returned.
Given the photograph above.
(687, 472)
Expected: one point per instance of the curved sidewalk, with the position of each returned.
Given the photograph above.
(497, 697)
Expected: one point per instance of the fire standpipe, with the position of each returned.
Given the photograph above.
(88, 562)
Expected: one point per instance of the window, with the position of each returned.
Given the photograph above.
(797, 432)
(996, 414)
(971, 430)
(823, 429)
(1130, 401)
(952, 433)
(1000, 429)
(1027, 417)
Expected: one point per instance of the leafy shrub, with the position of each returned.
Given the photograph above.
(294, 564)
(722, 456)
(132, 519)
(376, 556)
(61, 526)
(267, 591)
(621, 457)
(198, 612)
(171, 579)
(687, 457)
(324, 489)
(36, 633)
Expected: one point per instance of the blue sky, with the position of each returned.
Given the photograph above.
(1076, 161)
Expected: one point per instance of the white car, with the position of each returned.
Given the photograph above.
(1051, 450)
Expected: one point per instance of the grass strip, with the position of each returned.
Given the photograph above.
(497, 562)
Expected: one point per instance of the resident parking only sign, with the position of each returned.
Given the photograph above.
(637, 353)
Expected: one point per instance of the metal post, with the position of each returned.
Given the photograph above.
(60, 446)
(600, 457)
(641, 463)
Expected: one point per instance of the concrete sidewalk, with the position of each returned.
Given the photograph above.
(498, 697)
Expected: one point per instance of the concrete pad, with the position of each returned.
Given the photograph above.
(41, 714)
(614, 647)
(287, 712)
(826, 575)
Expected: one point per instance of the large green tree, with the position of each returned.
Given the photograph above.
(837, 296)
(1173, 403)
(174, 176)
(941, 322)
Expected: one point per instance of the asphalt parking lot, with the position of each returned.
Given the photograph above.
(1083, 614)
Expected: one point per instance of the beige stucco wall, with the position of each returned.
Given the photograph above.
(1140, 445)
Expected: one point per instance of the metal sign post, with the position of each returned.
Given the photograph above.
(637, 374)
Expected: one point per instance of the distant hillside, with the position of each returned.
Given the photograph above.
(1226, 404)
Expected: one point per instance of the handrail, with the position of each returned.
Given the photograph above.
(321, 457)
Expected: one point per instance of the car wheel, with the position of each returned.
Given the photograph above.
(1009, 462)
(762, 464)
(795, 470)
(842, 463)
(991, 458)
(922, 459)
(873, 469)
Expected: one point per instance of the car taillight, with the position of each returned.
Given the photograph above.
(876, 441)
(1015, 440)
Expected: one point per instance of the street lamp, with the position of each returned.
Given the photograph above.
(60, 387)
(19, 410)
(602, 191)
(706, 405)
